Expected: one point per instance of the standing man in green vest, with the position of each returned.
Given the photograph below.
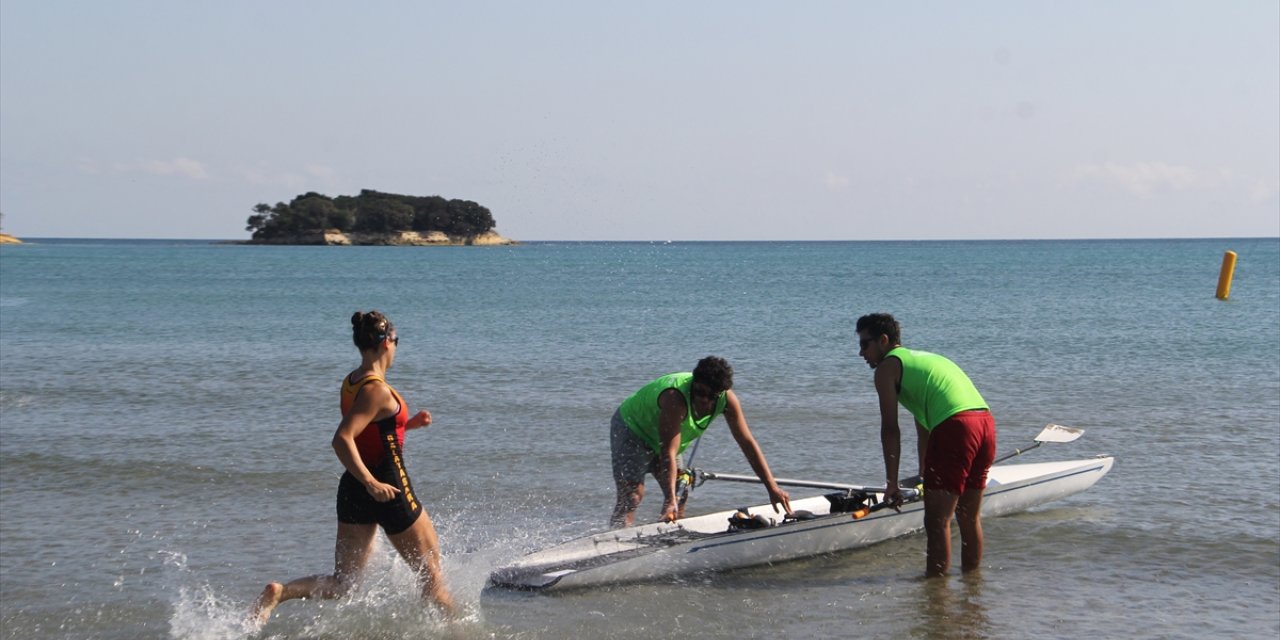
(651, 429)
(956, 437)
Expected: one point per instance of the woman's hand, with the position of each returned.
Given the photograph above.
(422, 419)
(381, 491)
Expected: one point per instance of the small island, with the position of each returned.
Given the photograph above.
(374, 218)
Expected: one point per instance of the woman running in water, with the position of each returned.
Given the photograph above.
(375, 490)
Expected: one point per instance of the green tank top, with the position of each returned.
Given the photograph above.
(933, 388)
(640, 411)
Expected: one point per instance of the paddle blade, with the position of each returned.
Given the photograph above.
(1059, 433)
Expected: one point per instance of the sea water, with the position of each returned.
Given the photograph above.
(166, 410)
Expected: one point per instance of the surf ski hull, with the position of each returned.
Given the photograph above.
(705, 543)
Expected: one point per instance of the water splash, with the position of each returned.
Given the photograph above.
(199, 613)
(386, 604)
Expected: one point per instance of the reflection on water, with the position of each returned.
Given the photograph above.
(952, 607)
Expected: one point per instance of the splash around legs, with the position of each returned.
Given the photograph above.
(351, 554)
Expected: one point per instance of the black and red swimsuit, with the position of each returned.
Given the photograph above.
(380, 448)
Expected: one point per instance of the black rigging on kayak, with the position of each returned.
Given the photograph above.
(856, 501)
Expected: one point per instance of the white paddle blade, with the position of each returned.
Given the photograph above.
(1059, 433)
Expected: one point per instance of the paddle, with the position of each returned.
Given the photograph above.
(1051, 433)
(786, 482)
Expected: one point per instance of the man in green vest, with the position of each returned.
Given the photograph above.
(956, 437)
(653, 427)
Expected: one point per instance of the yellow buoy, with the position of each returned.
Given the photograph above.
(1224, 277)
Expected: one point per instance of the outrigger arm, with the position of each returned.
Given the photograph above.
(1050, 433)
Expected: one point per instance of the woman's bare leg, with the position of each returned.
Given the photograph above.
(351, 554)
(420, 548)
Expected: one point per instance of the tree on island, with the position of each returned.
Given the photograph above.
(371, 211)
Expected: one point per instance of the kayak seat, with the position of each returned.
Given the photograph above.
(742, 520)
(847, 501)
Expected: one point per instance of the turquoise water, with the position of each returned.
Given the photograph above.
(166, 410)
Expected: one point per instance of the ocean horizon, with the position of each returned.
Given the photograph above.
(762, 240)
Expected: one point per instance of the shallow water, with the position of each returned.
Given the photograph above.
(166, 409)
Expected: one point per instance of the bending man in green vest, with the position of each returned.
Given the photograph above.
(651, 429)
(956, 437)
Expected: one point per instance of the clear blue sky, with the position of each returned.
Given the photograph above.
(649, 121)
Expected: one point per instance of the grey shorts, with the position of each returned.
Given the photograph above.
(632, 458)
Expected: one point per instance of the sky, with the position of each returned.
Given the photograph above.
(660, 120)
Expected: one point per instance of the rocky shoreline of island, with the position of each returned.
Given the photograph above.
(338, 238)
(8, 239)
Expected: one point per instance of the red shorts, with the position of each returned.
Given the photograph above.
(960, 451)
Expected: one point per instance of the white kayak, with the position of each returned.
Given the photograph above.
(712, 543)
